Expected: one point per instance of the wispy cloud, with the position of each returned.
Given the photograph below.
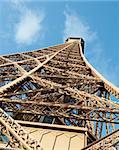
(29, 26)
(76, 26)
(19, 5)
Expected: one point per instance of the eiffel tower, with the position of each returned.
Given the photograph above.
(53, 99)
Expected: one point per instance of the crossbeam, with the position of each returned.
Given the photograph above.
(20, 138)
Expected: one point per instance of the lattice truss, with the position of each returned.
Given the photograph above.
(57, 85)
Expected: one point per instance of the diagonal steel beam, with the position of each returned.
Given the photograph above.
(22, 137)
(25, 75)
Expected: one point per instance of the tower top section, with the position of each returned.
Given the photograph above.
(73, 39)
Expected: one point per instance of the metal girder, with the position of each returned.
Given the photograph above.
(58, 82)
(18, 137)
(60, 110)
(108, 142)
(61, 105)
(26, 74)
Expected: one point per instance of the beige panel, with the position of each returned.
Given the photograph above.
(76, 143)
(62, 142)
(35, 132)
(48, 141)
(58, 139)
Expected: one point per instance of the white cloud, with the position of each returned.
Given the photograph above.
(28, 28)
(76, 27)
(29, 25)
(17, 4)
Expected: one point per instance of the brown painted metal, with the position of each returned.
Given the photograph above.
(57, 85)
(105, 143)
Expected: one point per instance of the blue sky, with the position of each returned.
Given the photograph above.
(33, 24)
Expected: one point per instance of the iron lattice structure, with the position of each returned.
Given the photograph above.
(56, 85)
